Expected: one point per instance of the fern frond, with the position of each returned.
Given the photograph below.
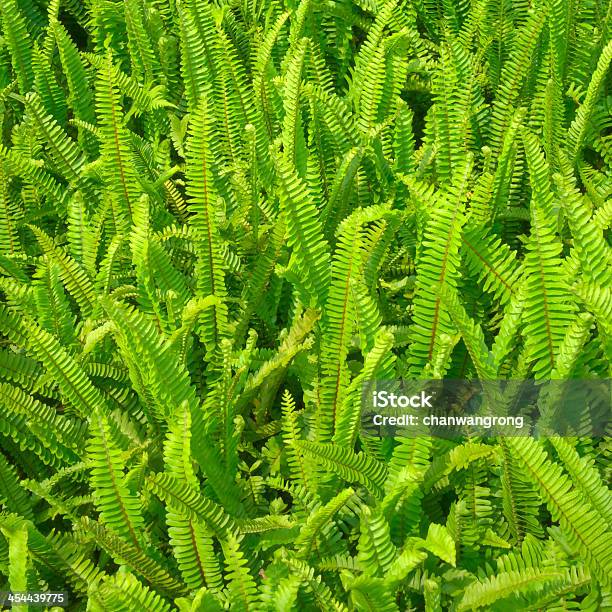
(300, 468)
(81, 99)
(20, 44)
(261, 70)
(145, 63)
(12, 494)
(180, 496)
(150, 361)
(548, 305)
(47, 444)
(51, 95)
(586, 478)
(18, 557)
(319, 523)
(52, 305)
(438, 267)
(10, 215)
(376, 552)
(322, 593)
(196, 66)
(201, 191)
(513, 74)
(372, 594)
(118, 507)
(590, 247)
(120, 174)
(520, 502)
(378, 364)
(585, 527)
(350, 466)
(241, 584)
(507, 585)
(471, 333)
(337, 326)
(579, 126)
(440, 542)
(124, 592)
(70, 377)
(304, 233)
(492, 261)
(75, 278)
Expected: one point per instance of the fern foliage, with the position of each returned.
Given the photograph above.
(220, 222)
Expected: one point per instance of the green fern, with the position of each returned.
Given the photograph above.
(224, 225)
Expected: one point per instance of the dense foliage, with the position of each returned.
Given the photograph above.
(217, 220)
